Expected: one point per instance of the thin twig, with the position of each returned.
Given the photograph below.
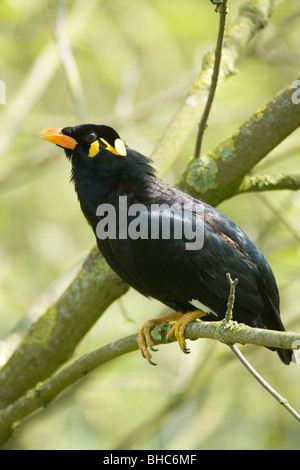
(231, 298)
(263, 382)
(244, 361)
(222, 9)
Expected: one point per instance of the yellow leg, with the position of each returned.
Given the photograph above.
(180, 325)
(144, 339)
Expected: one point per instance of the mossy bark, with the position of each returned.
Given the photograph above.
(219, 174)
(51, 340)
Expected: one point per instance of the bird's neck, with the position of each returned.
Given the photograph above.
(94, 189)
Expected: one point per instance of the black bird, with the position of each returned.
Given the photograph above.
(121, 198)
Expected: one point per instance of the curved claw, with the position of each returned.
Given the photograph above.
(151, 362)
(186, 350)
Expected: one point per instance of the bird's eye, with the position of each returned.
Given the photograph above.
(90, 137)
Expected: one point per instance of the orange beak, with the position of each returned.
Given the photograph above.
(55, 136)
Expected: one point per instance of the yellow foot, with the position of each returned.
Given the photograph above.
(145, 340)
(180, 325)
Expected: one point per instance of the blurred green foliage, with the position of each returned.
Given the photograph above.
(134, 61)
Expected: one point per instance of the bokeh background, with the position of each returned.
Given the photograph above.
(128, 63)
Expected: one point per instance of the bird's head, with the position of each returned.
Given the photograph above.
(86, 141)
(101, 162)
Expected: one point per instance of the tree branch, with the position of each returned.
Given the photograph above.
(227, 332)
(232, 332)
(94, 288)
(219, 174)
(259, 183)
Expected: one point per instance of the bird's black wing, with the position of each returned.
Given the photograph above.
(186, 279)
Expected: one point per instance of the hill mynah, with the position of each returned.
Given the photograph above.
(163, 242)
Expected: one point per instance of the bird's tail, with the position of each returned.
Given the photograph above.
(286, 355)
(274, 323)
